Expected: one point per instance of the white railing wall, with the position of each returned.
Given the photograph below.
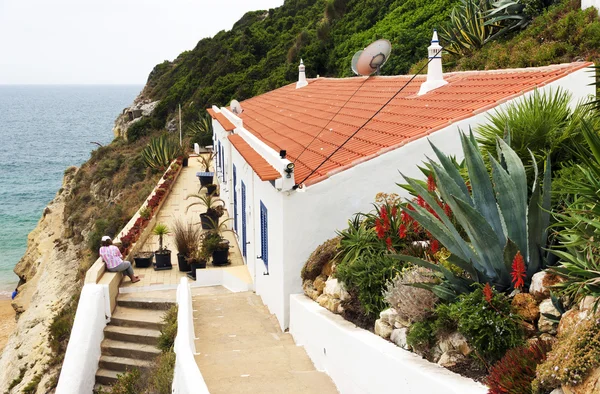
(187, 379)
(78, 373)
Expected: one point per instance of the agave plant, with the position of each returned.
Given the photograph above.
(201, 131)
(206, 160)
(495, 215)
(161, 151)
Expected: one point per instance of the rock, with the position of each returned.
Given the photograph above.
(344, 295)
(526, 306)
(333, 304)
(540, 284)
(322, 300)
(529, 328)
(435, 353)
(148, 108)
(545, 324)
(570, 319)
(333, 288)
(340, 309)
(327, 269)
(310, 290)
(319, 283)
(399, 337)
(383, 329)
(557, 391)
(450, 359)
(389, 316)
(401, 323)
(454, 342)
(587, 303)
(591, 385)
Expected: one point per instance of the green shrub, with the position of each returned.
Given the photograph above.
(33, 384)
(129, 382)
(161, 151)
(18, 379)
(166, 340)
(161, 380)
(139, 129)
(60, 330)
(421, 335)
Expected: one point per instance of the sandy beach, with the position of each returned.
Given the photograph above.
(7, 321)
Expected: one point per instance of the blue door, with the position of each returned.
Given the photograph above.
(243, 219)
(264, 235)
(235, 225)
(219, 163)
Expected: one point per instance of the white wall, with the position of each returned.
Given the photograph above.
(360, 362)
(187, 378)
(590, 3)
(78, 373)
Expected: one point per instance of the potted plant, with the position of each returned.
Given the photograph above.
(211, 189)
(217, 246)
(187, 237)
(215, 208)
(197, 260)
(163, 255)
(143, 259)
(205, 161)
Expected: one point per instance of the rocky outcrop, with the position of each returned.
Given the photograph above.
(141, 107)
(48, 273)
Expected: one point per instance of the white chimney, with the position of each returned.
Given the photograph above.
(435, 77)
(301, 76)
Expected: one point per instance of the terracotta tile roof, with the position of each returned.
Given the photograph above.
(263, 169)
(222, 119)
(212, 113)
(315, 117)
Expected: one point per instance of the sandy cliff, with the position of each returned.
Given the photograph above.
(49, 271)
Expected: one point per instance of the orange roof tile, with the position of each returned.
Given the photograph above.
(212, 113)
(311, 122)
(222, 119)
(263, 169)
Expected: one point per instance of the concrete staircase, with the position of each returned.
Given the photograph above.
(131, 337)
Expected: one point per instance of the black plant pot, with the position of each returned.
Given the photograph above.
(182, 262)
(211, 189)
(206, 179)
(194, 265)
(219, 257)
(143, 261)
(208, 222)
(163, 260)
(185, 162)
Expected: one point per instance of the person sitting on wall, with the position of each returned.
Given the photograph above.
(112, 257)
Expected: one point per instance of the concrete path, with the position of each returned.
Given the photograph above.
(243, 351)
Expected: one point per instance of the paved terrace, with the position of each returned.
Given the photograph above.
(241, 348)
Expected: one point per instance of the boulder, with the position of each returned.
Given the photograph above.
(557, 391)
(389, 316)
(450, 359)
(545, 324)
(383, 329)
(333, 304)
(587, 304)
(399, 337)
(525, 305)
(319, 283)
(333, 288)
(310, 290)
(570, 319)
(540, 284)
(322, 300)
(454, 342)
(529, 329)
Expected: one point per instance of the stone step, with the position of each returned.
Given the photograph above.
(106, 377)
(110, 347)
(132, 334)
(122, 364)
(145, 303)
(142, 318)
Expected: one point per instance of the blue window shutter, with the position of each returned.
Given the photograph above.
(264, 234)
(243, 219)
(235, 224)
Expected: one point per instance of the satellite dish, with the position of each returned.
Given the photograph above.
(355, 60)
(373, 57)
(236, 108)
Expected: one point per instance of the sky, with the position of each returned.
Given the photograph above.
(105, 41)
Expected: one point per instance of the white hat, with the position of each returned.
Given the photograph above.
(105, 238)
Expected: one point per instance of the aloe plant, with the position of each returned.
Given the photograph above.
(161, 151)
(495, 216)
(161, 230)
(206, 160)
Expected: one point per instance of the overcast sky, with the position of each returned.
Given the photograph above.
(105, 41)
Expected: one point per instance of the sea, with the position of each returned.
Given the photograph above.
(43, 130)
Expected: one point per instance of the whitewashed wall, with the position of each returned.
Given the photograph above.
(590, 3)
(78, 373)
(360, 362)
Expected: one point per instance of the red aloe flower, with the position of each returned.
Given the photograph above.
(405, 217)
(518, 273)
(434, 246)
(488, 293)
(383, 212)
(394, 211)
(402, 231)
(447, 210)
(388, 242)
(420, 201)
(416, 227)
(430, 183)
(379, 229)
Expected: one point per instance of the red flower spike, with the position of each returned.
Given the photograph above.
(430, 183)
(434, 246)
(416, 227)
(402, 231)
(447, 210)
(420, 201)
(405, 217)
(519, 272)
(379, 229)
(383, 212)
(388, 242)
(394, 211)
(488, 293)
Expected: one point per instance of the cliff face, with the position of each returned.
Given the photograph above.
(49, 269)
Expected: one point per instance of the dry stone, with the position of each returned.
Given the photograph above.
(570, 319)
(450, 359)
(310, 290)
(454, 342)
(322, 300)
(327, 269)
(333, 288)
(526, 306)
(389, 316)
(319, 283)
(399, 337)
(545, 324)
(383, 329)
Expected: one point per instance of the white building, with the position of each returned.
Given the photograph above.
(281, 214)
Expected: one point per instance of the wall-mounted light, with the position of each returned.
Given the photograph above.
(283, 153)
(289, 169)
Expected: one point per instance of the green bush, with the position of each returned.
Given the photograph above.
(129, 382)
(166, 340)
(18, 379)
(161, 380)
(33, 384)
(60, 330)
(139, 129)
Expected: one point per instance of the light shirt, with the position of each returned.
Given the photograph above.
(111, 255)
